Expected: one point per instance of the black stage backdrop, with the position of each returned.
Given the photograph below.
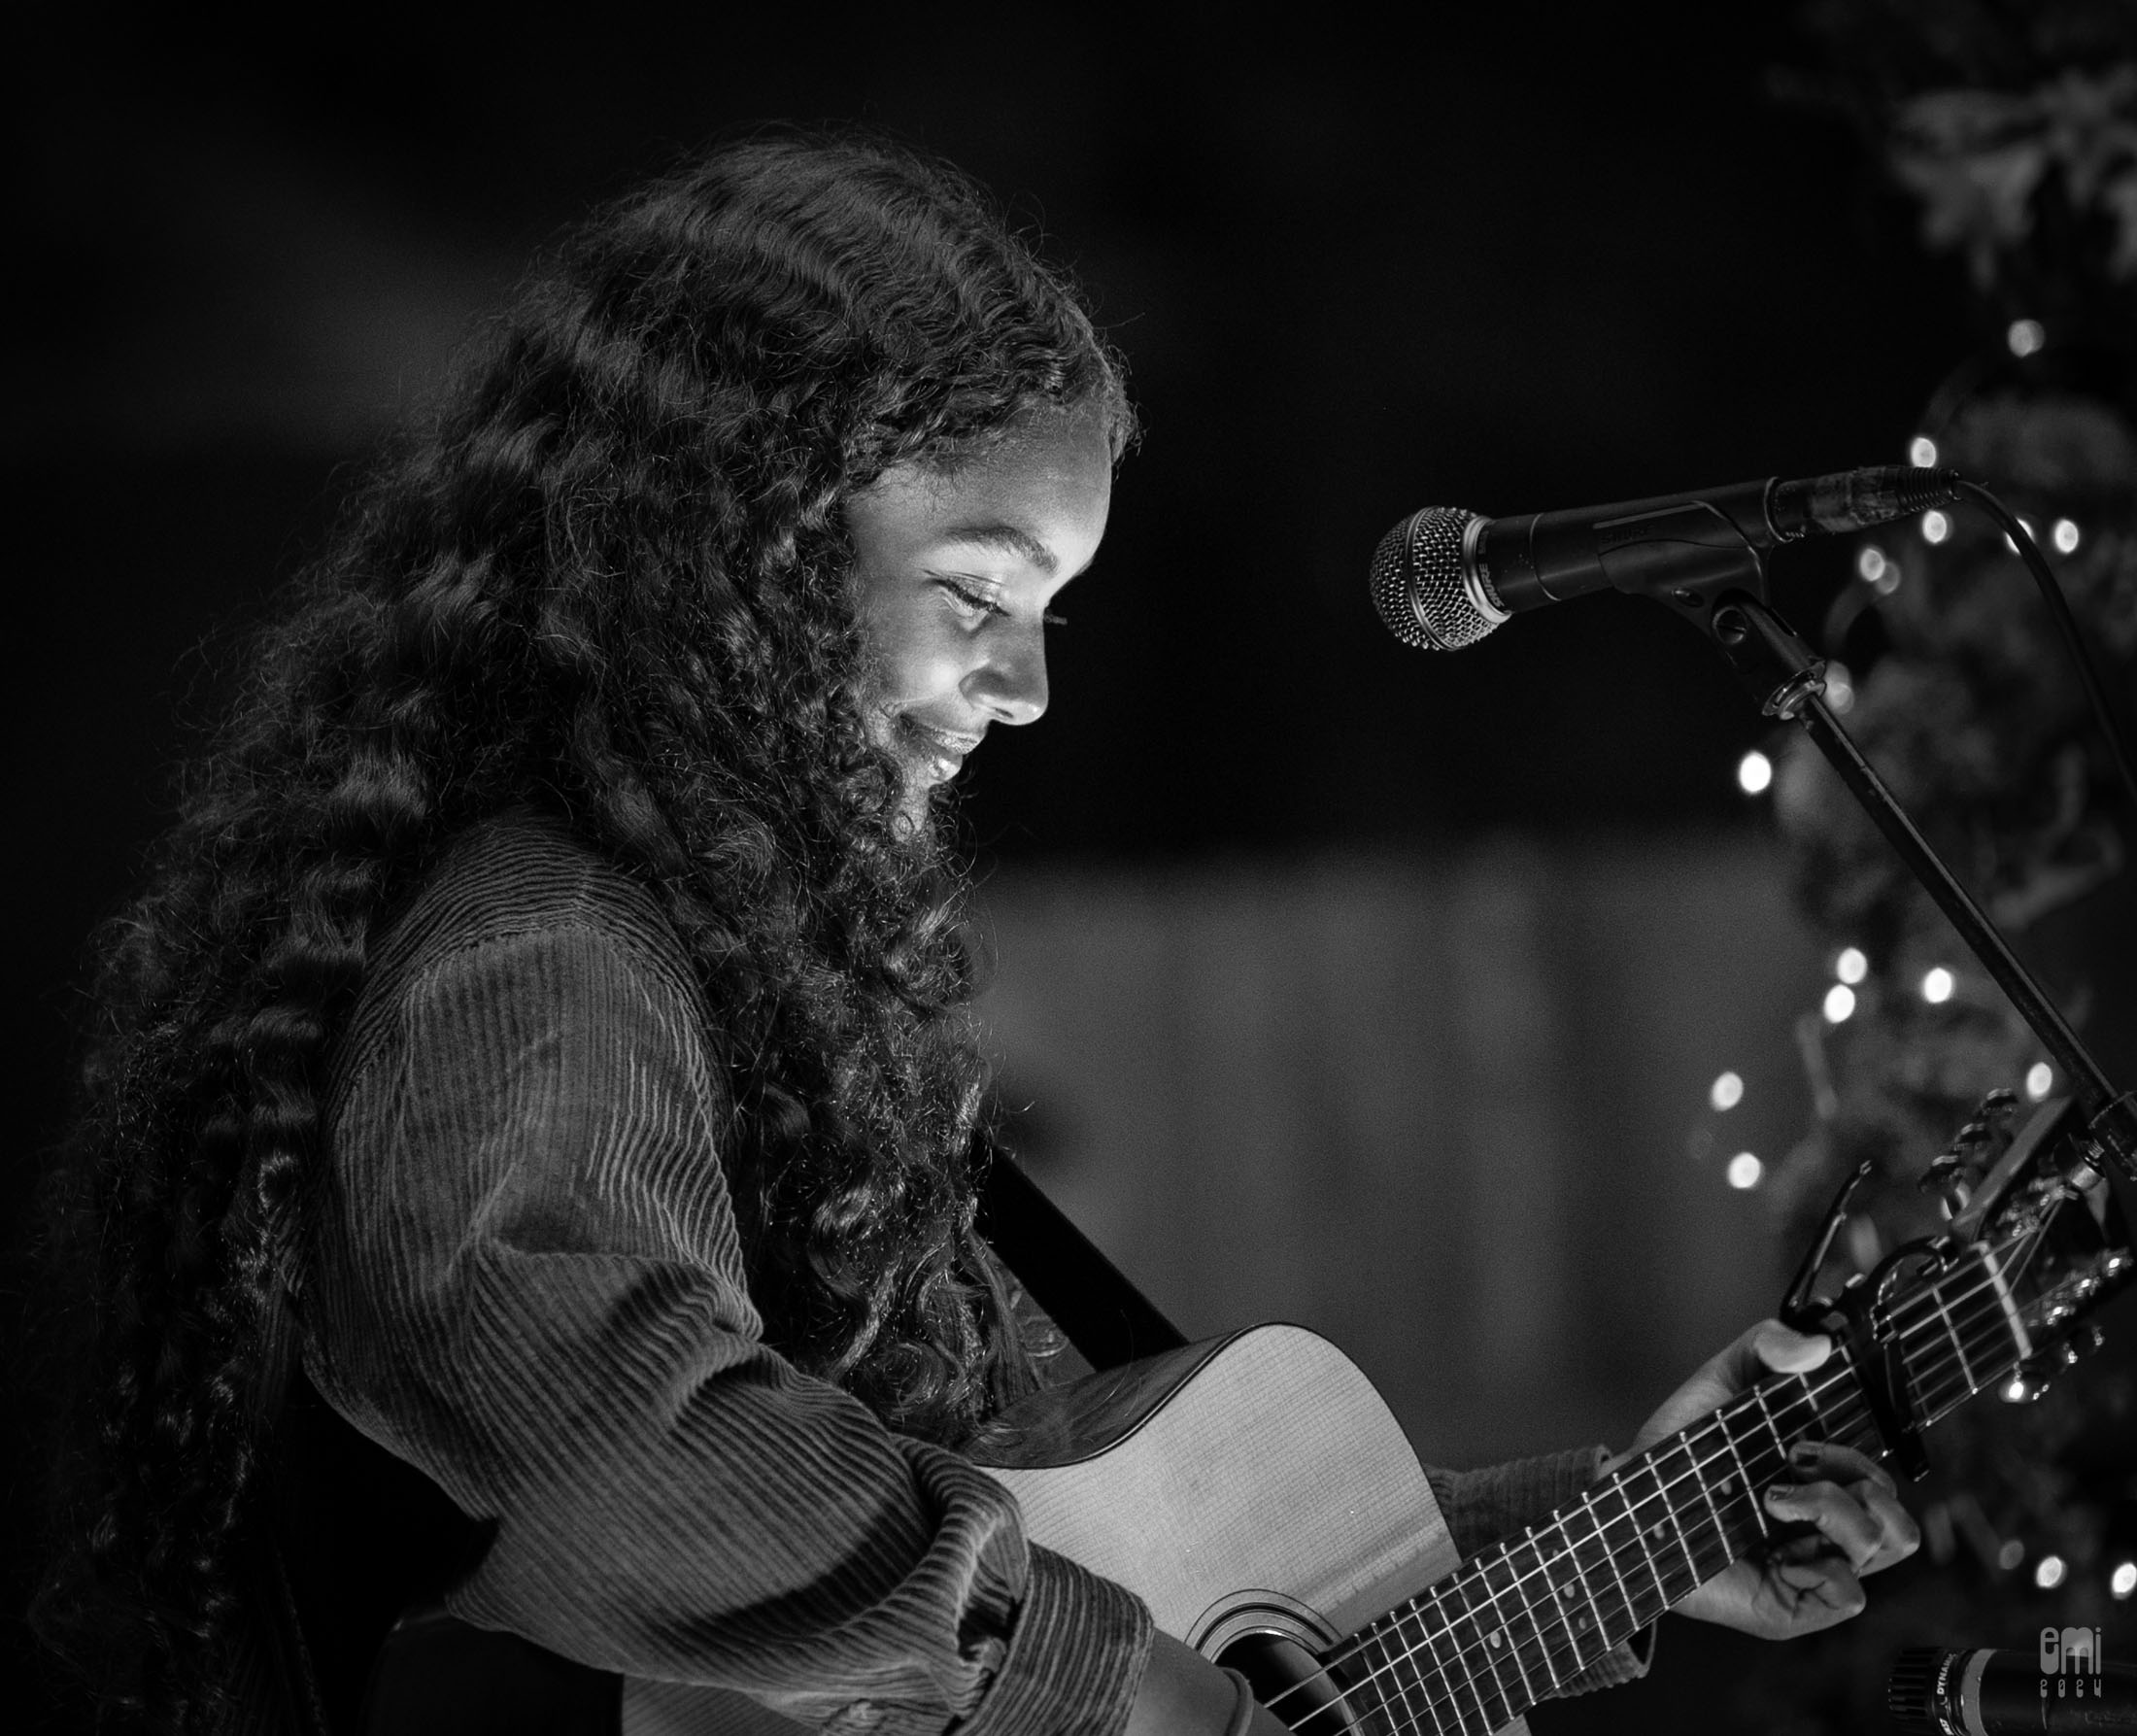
(1511, 261)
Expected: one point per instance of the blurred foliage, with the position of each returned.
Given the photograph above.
(2015, 130)
(2012, 126)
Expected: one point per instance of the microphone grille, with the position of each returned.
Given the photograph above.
(1912, 1691)
(1419, 582)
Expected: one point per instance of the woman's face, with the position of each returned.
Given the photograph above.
(955, 574)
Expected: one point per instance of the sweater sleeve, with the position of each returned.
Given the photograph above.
(1480, 1507)
(527, 1282)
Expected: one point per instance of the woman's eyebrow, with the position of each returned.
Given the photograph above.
(1010, 539)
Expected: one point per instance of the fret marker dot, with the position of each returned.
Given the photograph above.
(1496, 1635)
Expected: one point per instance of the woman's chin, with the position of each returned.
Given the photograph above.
(914, 818)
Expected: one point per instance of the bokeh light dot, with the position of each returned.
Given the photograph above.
(1755, 772)
(2010, 1554)
(2047, 1571)
(1937, 984)
(1840, 1004)
(1852, 964)
(1726, 1092)
(1744, 1170)
(2123, 1580)
(2026, 336)
(2063, 533)
(1870, 563)
(1921, 452)
(1935, 527)
(2040, 1080)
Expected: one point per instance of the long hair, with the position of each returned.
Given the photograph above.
(609, 577)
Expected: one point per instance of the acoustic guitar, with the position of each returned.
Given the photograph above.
(1260, 1498)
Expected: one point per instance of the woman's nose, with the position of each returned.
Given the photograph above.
(1012, 681)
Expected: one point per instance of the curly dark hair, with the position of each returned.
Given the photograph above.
(609, 577)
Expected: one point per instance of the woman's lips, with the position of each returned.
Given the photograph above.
(938, 752)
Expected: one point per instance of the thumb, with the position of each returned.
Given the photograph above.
(1772, 1345)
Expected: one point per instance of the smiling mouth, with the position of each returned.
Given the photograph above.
(937, 753)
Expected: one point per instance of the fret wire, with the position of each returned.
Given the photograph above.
(1838, 1420)
(1572, 1602)
(1428, 1638)
(1891, 1320)
(1617, 1478)
(1896, 1325)
(1803, 1396)
(1595, 1611)
(1721, 1531)
(1484, 1647)
(1669, 1516)
(2007, 1303)
(1835, 1421)
(1935, 1400)
(1464, 1651)
(1750, 1488)
(1932, 1402)
(1388, 1666)
(1610, 1558)
(1772, 1428)
(1504, 1640)
(1415, 1683)
(1976, 1313)
(1959, 1345)
(1462, 1656)
(1528, 1609)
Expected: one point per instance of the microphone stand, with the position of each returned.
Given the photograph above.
(1788, 679)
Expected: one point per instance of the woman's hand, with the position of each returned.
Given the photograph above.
(1840, 1520)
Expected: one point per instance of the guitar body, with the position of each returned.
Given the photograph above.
(1249, 1490)
(1254, 1483)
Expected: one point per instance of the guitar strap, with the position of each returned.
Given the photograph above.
(1104, 1315)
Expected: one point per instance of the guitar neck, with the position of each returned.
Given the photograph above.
(1519, 1623)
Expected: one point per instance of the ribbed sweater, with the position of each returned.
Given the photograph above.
(526, 1280)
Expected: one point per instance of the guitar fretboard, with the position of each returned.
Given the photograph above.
(1517, 1624)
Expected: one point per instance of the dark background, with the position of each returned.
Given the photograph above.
(1508, 260)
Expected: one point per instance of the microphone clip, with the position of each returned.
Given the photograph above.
(1783, 673)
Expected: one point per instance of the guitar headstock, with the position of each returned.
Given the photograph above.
(2047, 1222)
(1999, 1301)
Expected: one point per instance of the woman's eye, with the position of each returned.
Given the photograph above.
(973, 603)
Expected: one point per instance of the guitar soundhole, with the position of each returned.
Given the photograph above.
(1288, 1677)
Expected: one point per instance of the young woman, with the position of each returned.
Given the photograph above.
(543, 1037)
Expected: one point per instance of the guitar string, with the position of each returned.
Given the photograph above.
(1599, 1529)
(1697, 1431)
(1479, 1567)
(1707, 1546)
(1703, 1533)
(1929, 1314)
(1666, 1571)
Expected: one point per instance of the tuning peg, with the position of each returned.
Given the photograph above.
(1999, 1104)
(1951, 1175)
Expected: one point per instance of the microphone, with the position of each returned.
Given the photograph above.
(1933, 1692)
(1443, 578)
